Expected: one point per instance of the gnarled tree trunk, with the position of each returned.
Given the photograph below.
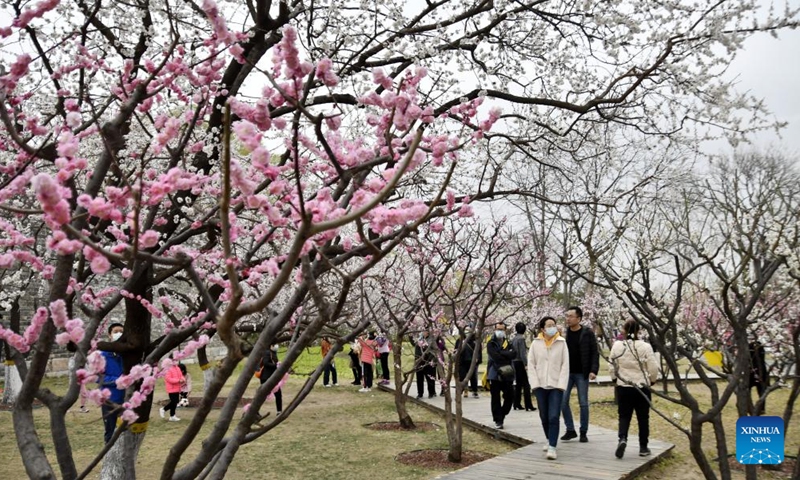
(120, 462)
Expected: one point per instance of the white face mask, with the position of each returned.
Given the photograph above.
(550, 331)
(500, 334)
(115, 336)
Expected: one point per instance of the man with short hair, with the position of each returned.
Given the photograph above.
(500, 374)
(584, 363)
(113, 371)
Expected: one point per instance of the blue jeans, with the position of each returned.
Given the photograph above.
(582, 383)
(549, 400)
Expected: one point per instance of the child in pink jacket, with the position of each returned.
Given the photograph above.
(173, 381)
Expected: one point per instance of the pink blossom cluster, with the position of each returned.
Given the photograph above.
(29, 14)
(286, 55)
(52, 197)
(22, 343)
(97, 261)
(191, 347)
(176, 179)
(18, 69)
(383, 218)
(100, 208)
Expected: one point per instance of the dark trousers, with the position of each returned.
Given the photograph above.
(631, 400)
(265, 374)
(385, 365)
(522, 387)
(496, 387)
(549, 400)
(473, 380)
(356, 367)
(173, 403)
(279, 400)
(329, 370)
(367, 374)
(109, 421)
(427, 375)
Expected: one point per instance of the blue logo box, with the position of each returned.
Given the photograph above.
(759, 440)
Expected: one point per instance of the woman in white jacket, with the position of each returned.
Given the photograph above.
(635, 369)
(548, 373)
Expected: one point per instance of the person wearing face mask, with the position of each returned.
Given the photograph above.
(548, 374)
(500, 374)
(108, 380)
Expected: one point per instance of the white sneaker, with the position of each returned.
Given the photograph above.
(161, 412)
(174, 419)
(545, 447)
(327, 386)
(551, 453)
(363, 389)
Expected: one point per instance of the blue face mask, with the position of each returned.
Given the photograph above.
(550, 331)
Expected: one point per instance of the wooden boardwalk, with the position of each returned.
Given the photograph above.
(593, 460)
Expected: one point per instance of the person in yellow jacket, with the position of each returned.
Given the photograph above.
(548, 374)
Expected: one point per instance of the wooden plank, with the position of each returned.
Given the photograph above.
(576, 461)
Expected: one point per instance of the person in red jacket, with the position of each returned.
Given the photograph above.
(173, 381)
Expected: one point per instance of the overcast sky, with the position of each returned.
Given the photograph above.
(769, 68)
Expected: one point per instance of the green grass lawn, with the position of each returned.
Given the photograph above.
(324, 438)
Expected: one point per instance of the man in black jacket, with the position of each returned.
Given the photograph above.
(584, 363)
(501, 380)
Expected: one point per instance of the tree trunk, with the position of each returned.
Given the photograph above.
(207, 368)
(399, 382)
(208, 376)
(722, 448)
(13, 384)
(696, 447)
(454, 424)
(120, 462)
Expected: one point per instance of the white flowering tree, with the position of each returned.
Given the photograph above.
(249, 150)
(711, 271)
(455, 275)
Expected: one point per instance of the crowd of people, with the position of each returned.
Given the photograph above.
(558, 361)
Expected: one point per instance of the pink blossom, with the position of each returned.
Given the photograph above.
(325, 73)
(451, 200)
(100, 265)
(98, 396)
(148, 239)
(6, 260)
(129, 417)
(68, 144)
(58, 312)
(73, 119)
(380, 78)
(436, 227)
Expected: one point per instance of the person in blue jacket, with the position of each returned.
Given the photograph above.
(114, 370)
